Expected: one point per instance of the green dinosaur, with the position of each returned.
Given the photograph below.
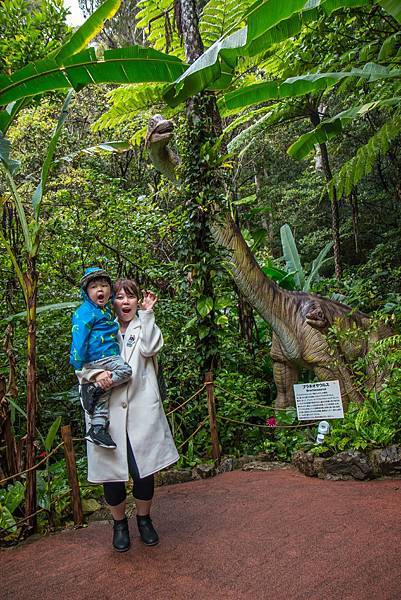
(299, 320)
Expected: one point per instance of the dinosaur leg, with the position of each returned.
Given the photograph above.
(285, 375)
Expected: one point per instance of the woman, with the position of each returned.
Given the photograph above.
(138, 424)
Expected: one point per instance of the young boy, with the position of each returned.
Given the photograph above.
(95, 349)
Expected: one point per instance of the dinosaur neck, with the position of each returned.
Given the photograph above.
(269, 299)
(164, 159)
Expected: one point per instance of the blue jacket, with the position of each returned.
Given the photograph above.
(94, 333)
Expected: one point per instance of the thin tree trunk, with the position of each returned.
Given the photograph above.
(355, 217)
(31, 282)
(335, 217)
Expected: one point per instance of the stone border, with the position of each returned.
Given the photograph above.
(351, 464)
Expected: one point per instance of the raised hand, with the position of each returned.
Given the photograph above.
(148, 301)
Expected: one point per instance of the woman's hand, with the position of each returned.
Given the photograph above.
(148, 301)
(104, 380)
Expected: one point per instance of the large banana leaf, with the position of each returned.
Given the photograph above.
(393, 7)
(291, 256)
(268, 22)
(88, 30)
(299, 86)
(274, 90)
(332, 127)
(125, 65)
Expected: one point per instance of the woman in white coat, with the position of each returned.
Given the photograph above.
(138, 424)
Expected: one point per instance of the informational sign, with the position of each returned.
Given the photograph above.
(321, 400)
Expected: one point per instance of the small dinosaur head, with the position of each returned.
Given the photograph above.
(160, 131)
(315, 316)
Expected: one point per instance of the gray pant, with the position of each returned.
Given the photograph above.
(120, 373)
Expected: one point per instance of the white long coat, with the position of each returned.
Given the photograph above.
(136, 410)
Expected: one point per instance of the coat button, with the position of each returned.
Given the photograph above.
(124, 405)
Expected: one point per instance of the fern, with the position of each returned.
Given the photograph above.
(127, 102)
(221, 16)
(247, 137)
(365, 159)
(156, 18)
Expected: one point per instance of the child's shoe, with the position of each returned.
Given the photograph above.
(99, 435)
(89, 395)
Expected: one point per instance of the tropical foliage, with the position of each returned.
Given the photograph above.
(308, 119)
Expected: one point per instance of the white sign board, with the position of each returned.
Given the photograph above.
(321, 400)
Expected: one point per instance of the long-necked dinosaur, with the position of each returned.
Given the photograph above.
(299, 320)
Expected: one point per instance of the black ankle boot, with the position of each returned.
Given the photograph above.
(147, 531)
(121, 541)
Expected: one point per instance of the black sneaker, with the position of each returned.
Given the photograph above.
(90, 393)
(99, 435)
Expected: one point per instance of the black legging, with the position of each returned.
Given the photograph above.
(114, 491)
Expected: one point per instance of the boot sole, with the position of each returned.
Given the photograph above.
(96, 443)
(147, 543)
(122, 549)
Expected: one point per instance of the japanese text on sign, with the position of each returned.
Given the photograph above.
(321, 400)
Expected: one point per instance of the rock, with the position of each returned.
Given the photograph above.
(259, 465)
(351, 464)
(90, 505)
(305, 462)
(226, 465)
(243, 460)
(204, 471)
(172, 476)
(386, 461)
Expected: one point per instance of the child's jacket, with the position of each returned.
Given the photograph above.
(94, 333)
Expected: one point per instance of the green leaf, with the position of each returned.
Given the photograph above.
(38, 193)
(291, 256)
(114, 147)
(14, 496)
(393, 7)
(88, 30)
(316, 265)
(204, 305)
(5, 149)
(7, 521)
(203, 331)
(125, 65)
(39, 310)
(332, 127)
(268, 22)
(221, 320)
(51, 434)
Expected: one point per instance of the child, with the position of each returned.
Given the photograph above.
(94, 350)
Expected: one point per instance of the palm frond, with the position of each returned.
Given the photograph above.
(127, 101)
(365, 159)
(219, 17)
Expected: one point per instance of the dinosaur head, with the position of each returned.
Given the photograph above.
(159, 134)
(315, 316)
(160, 131)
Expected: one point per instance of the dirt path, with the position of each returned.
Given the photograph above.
(241, 535)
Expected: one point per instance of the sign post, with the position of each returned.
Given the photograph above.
(321, 400)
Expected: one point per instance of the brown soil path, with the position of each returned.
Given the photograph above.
(242, 535)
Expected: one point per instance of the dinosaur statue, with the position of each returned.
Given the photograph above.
(299, 320)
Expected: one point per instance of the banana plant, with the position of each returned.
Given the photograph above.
(293, 261)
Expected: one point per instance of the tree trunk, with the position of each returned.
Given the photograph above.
(31, 283)
(335, 217)
(201, 112)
